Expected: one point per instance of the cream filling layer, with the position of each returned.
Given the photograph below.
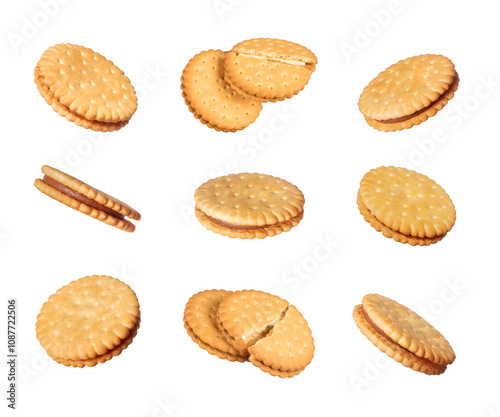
(289, 61)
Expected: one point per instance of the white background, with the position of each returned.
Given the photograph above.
(321, 143)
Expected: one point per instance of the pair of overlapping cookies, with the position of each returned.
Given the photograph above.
(225, 90)
(251, 326)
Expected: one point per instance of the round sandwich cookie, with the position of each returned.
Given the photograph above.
(267, 69)
(403, 335)
(273, 332)
(211, 99)
(406, 206)
(408, 92)
(86, 199)
(85, 87)
(248, 206)
(88, 321)
(200, 322)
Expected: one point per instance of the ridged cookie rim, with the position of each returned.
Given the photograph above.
(66, 351)
(208, 119)
(70, 116)
(393, 350)
(368, 102)
(433, 346)
(126, 105)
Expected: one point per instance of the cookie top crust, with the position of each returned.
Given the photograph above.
(246, 315)
(392, 349)
(277, 49)
(408, 329)
(407, 202)
(289, 347)
(407, 87)
(267, 69)
(91, 192)
(249, 199)
(257, 79)
(87, 318)
(211, 98)
(87, 83)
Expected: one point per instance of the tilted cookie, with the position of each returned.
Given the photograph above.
(269, 69)
(211, 99)
(403, 335)
(200, 322)
(287, 349)
(249, 206)
(408, 92)
(86, 199)
(85, 87)
(88, 321)
(406, 206)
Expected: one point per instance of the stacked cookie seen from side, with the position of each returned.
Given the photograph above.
(225, 90)
(249, 205)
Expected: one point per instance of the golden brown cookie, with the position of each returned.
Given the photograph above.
(269, 69)
(287, 349)
(403, 335)
(246, 316)
(80, 363)
(86, 199)
(408, 92)
(85, 88)
(249, 206)
(405, 205)
(200, 323)
(251, 325)
(88, 321)
(211, 99)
